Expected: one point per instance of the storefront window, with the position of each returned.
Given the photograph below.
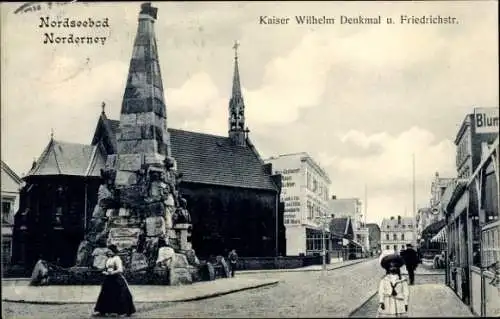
(491, 244)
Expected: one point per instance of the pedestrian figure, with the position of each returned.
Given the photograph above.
(115, 296)
(411, 261)
(393, 290)
(233, 259)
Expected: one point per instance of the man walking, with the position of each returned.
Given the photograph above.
(233, 259)
(411, 261)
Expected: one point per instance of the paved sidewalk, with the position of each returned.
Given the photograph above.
(308, 268)
(424, 270)
(436, 300)
(142, 293)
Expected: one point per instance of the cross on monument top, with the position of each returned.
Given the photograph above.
(235, 47)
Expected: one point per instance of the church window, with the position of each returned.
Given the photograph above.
(6, 211)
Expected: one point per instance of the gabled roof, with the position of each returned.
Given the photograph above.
(106, 127)
(10, 172)
(64, 158)
(212, 159)
(340, 226)
(393, 223)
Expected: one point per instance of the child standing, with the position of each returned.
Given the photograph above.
(393, 292)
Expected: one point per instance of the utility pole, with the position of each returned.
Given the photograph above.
(413, 215)
(366, 202)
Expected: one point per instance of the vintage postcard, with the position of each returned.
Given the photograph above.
(250, 159)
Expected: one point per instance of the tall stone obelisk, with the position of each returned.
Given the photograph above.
(139, 203)
(142, 137)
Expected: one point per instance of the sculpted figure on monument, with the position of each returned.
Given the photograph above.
(181, 215)
(105, 195)
(155, 184)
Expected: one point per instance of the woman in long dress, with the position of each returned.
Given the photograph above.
(115, 296)
(393, 293)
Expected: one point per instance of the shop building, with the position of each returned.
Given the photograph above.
(352, 208)
(466, 216)
(305, 193)
(431, 220)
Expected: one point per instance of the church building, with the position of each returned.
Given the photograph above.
(232, 195)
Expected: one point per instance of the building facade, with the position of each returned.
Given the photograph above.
(352, 208)
(396, 232)
(305, 193)
(374, 237)
(460, 202)
(10, 204)
(430, 220)
(465, 205)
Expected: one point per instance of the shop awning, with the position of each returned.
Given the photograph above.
(440, 237)
(433, 229)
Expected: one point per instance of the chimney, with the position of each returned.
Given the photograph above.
(399, 219)
(268, 168)
(392, 217)
(334, 196)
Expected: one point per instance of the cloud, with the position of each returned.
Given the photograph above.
(395, 160)
(389, 174)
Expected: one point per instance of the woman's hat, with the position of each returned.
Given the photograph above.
(390, 261)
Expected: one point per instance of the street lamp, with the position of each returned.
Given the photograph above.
(323, 221)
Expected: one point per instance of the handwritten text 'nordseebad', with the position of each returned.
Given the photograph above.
(90, 25)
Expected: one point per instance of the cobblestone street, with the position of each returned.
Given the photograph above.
(299, 294)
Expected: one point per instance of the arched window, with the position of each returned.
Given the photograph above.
(402, 236)
(387, 236)
(395, 237)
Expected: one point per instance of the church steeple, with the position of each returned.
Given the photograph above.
(237, 130)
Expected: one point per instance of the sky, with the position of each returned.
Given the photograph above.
(360, 99)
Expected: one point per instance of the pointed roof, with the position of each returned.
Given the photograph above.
(108, 128)
(340, 226)
(236, 103)
(73, 159)
(236, 92)
(10, 172)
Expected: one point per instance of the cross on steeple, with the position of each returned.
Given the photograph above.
(103, 106)
(235, 48)
(52, 133)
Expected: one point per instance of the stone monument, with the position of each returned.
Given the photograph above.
(138, 201)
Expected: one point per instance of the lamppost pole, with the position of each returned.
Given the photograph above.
(324, 245)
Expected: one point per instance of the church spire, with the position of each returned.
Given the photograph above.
(237, 131)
